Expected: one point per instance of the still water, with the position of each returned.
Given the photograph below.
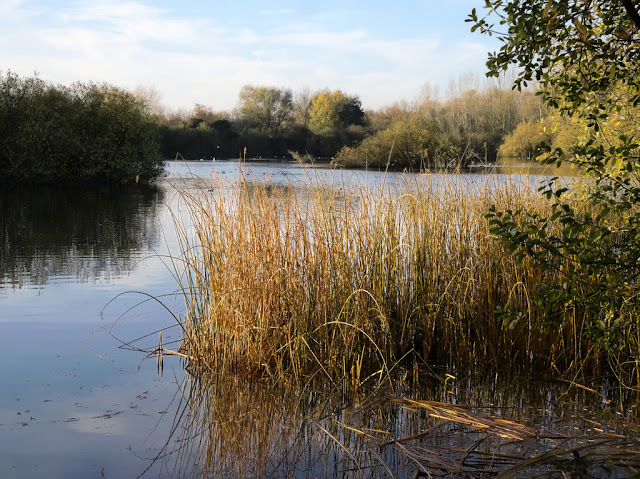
(73, 262)
(79, 400)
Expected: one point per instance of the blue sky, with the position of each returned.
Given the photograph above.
(205, 51)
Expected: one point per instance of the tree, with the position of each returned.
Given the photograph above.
(152, 98)
(331, 110)
(323, 113)
(586, 57)
(350, 112)
(205, 113)
(301, 104)
(479, 118)
(264, 109)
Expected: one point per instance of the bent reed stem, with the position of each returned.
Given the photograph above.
(343, 280)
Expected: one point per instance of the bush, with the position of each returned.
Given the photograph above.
(85, 132)
(412, 142)
(522, 143)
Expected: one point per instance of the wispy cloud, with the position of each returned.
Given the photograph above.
(207, 58)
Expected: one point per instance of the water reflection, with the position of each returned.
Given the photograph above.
(76, 234)
(231, 426)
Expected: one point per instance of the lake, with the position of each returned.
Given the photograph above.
(85, 273)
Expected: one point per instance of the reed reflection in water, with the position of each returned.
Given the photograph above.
(236, 426)
(83, 234)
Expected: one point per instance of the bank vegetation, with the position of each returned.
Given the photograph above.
(464, 125)
(353, 282)
(80, 133)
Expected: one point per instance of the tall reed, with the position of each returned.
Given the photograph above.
(346, 280)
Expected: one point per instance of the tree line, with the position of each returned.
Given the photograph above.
(268, 122)
(89, 132)
(467, 127)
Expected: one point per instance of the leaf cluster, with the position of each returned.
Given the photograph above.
(331, 110)
(586, 57)
(265, 109)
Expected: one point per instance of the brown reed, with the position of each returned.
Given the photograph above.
(347, 280)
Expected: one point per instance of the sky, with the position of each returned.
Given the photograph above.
(204, 51)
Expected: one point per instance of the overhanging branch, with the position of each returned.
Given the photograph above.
(632, 12)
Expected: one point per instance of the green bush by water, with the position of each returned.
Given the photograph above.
(82, 133)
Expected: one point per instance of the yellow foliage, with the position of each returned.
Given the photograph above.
(323, 112)
(522, 142)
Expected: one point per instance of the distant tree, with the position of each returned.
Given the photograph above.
(152, 98)
(384, 117)
(350, 112)
(207, 114)
(323, 114)
(264, 109)
(301, 105)
(479, 118)
(332, 110)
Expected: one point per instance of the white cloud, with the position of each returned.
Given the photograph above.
(137, 22)
(193, 59)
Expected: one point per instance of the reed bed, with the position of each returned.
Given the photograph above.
(347, 281)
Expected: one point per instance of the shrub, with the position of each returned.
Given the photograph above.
(85, 132)
(412, 142)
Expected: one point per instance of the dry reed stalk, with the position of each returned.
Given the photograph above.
(482, 446)
(451, 413)
(344, 280)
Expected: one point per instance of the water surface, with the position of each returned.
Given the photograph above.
(76, 267)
